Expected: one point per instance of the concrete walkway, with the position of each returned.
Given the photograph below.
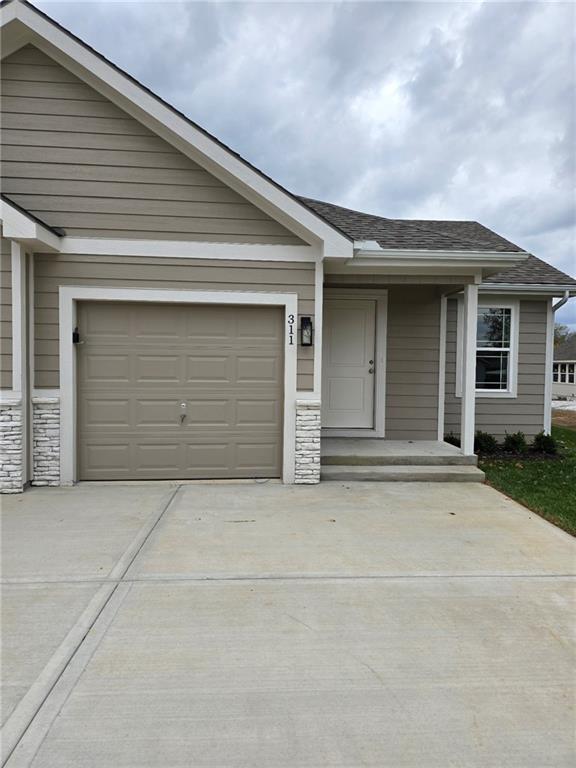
(227, 625)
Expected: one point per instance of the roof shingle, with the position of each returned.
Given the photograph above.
(419, 234)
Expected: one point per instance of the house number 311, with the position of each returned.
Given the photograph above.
(291, 330)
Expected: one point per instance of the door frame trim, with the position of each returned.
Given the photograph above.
(380, 296)
(70, 295)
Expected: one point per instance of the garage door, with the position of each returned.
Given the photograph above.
(179, 391)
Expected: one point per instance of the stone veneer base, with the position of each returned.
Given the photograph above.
(11, 475)
(308, 424)
(46, 441)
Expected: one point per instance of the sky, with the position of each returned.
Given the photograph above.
(463, 110)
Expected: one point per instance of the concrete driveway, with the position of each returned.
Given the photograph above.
(256, 625)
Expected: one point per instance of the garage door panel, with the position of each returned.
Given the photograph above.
(209, 413)
(251, 368)
(104, 412)
(106, 457)
(207, 368)
(260, 413)
(151, 369)
(157, 457)
(263, 324)
(105, 322)
(252, 456)
(224, 363)
(103, 367)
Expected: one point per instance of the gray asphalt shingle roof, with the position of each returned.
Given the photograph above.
(439, 235)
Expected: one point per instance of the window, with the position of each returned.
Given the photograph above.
(493, 348)
(496, 349)
(564, 373)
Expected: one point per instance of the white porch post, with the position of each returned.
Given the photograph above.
(467, 418)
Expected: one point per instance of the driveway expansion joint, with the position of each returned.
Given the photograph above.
(37, 699)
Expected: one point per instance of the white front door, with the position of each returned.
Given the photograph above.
(348, 363)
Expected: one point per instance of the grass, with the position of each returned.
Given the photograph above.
(546, 486)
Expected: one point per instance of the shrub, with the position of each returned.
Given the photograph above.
(544, 443)
(515, 442)
(485, 443)
(452, 439)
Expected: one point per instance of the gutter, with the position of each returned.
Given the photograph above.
(540, 288)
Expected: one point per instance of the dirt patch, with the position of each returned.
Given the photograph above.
(564, 419)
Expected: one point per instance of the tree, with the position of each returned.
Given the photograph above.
(562, 333)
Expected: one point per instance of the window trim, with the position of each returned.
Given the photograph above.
(493, 303)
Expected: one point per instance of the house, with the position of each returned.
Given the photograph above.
(169, 311)
(564, 369)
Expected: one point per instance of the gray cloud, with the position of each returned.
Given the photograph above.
(456, 110)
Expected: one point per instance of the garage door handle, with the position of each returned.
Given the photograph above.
(182, 412)
(182, 417)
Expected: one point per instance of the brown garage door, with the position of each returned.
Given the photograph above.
(179, 391)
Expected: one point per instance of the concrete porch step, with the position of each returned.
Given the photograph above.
(399, 473)
(375, 452)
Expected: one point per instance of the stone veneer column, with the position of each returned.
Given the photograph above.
(46, 440)
(307, 469)
(11, 446)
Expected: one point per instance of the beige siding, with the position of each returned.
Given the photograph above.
(78, 162)
(52, 271)
(500, 415)
(5, 315)
(412, 363)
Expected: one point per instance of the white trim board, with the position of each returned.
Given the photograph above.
(548, 383)
(70, 295)
(188, 249)
(381, 299)
(442, 366)
(25, 24)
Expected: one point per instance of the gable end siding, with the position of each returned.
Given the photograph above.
(77, 161)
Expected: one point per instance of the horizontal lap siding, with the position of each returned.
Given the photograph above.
(78, 162)
(412, 363)
(500, 415)
(5, 315)
(53, 271)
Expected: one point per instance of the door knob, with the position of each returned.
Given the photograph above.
(370, 370)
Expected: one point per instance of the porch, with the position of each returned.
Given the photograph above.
(350, 458)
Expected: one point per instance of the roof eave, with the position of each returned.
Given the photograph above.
(25, 229)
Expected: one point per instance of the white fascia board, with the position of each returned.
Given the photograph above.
(546, 290)
(25, 230)
(187, 249)
(415, 258)
(175, 128)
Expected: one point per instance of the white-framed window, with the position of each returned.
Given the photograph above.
(497, 327)
(564, 373)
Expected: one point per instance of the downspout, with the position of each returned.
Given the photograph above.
(561, 302)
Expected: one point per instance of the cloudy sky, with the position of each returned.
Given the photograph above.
(463, 110)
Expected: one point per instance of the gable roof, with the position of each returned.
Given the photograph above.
(32, 25)
(412, 233)
(445, 236)
(566, 350)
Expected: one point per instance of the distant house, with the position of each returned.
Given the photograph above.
(564, 369)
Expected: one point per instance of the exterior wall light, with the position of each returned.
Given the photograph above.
(306, 332)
